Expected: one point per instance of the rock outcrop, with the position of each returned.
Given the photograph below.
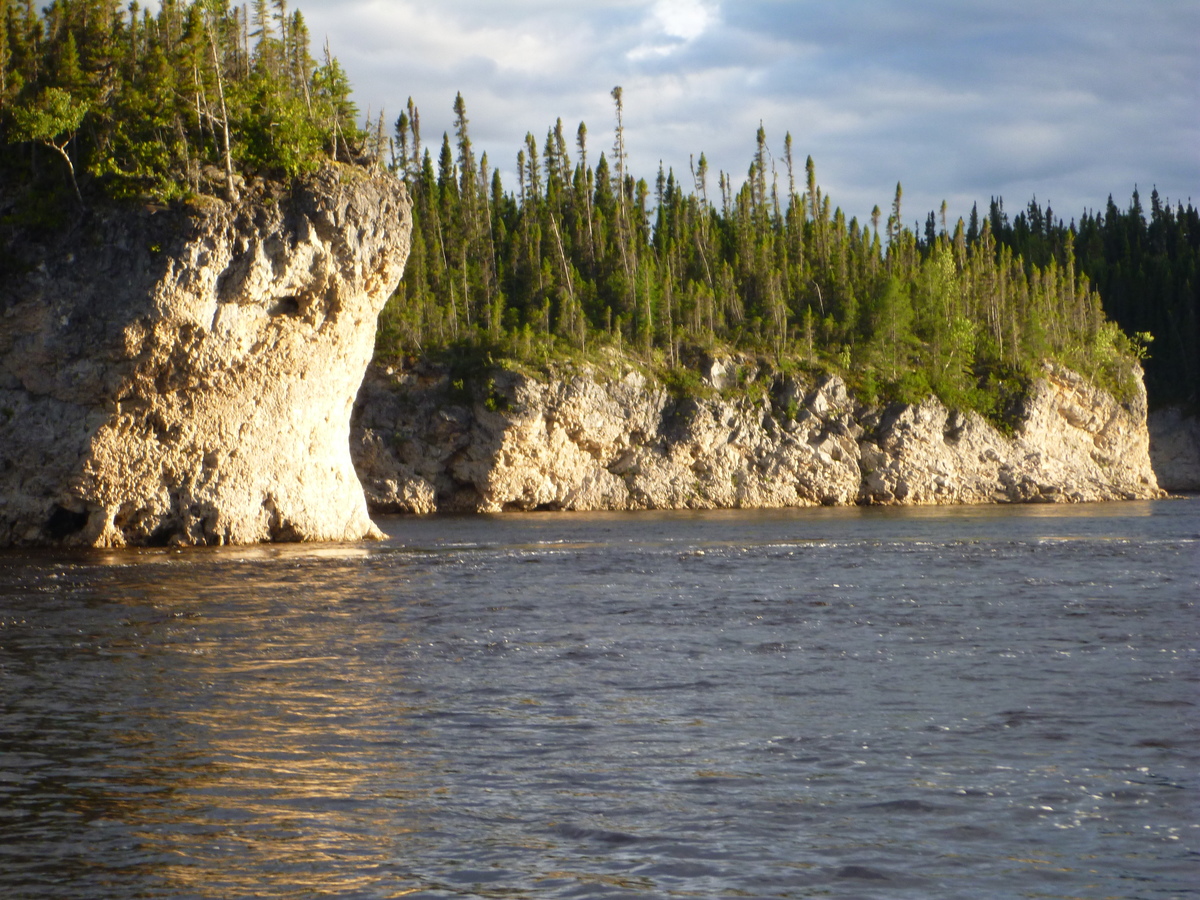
(1073, 443)
(586, 442)
(1175, 449)
(186, 375)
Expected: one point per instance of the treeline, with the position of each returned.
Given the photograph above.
(1146, 268)
(580, 253)
(152, 104)
(583, 253)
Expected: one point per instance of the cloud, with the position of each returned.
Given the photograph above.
(680, 22)
(1069, 100)
(684, 19)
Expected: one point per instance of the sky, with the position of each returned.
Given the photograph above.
(958, 100)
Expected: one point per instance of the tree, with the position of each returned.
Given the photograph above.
(331, 90)
(5, 55)
(893, 314)
(51, 120)
(227, 156)
(897, 223)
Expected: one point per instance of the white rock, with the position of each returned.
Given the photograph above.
(189, 378)
(585, 442)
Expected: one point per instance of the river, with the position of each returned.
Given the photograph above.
(970, 702)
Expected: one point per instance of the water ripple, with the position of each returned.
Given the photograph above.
(845, 703)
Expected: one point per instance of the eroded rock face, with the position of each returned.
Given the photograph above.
(1074, 443)
(586, 442)
(583, 444)
(187, 376)
(1175, 449)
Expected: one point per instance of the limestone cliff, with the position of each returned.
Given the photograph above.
(186, 375)
(586, 442)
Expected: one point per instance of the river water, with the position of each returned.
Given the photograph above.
(852, 703)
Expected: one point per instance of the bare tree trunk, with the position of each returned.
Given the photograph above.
(61, 150)
(562, 256)
(230, 187)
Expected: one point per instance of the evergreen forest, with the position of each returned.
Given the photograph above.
(1146, 269)
(584, 255)
(165, 105)
(105, 103)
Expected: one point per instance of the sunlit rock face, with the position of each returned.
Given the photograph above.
(186, 376)
(1072, 442)
(618, 440)
(582, 442)
(1175, 449)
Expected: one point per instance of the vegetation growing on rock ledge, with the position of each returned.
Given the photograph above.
(585, 255)
(1146, 268)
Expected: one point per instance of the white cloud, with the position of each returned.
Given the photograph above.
(680, 22)
(962, 101)
(684, 19)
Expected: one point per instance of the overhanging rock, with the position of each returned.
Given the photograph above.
(186, 376)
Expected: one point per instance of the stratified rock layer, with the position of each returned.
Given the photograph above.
(586, 442)
(187, 376)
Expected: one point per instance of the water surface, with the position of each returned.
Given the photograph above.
(867, 703)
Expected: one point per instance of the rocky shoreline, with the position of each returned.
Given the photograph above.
(619, 440)
(189, 375)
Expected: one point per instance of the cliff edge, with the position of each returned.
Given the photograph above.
(586, 441)
(186, 375)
